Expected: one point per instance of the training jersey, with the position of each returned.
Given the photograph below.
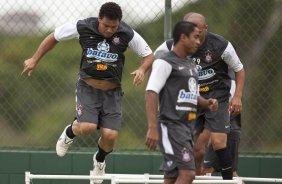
(216, 61)
(176, 81)
(102, 58)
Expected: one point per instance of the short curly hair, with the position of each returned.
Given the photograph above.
(111, 10)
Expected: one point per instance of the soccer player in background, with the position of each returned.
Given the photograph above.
(216, 61)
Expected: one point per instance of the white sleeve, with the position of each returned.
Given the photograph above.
(66, 31)
(162, 49)
(160, 72)
(230, 57)
(139, 45)
(232, 89)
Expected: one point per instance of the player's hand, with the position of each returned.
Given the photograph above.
(138, 76)
(213, 104)
(29, 65)
(235, 105)
(152, 138)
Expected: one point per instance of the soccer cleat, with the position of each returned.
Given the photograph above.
(63, 143)
(98, 169)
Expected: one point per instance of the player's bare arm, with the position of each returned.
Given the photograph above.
(235, 106)
(139, 74)
(152, 135)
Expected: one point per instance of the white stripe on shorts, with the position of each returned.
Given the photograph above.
(166, 143)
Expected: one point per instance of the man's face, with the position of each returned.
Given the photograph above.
(108, 27)
(202, 32)
(192, 42)
(202, 26)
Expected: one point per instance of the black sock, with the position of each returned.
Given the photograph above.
(69, 132)
(101, 154)
(225, 162)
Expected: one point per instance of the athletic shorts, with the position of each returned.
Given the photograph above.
(217, 121)
(99, 107)
(176, 146)
(211, 160)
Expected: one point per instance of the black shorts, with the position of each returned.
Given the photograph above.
(176, 146)
(97, 106)
(217, 121)
(211, 160)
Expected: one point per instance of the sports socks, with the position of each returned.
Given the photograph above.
(101, 154)
(225, 162)
(69, 132)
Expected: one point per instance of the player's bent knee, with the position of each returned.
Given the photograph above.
(218, 144)
(108, 134)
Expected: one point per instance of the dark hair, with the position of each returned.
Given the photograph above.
(110, 10)
(182, 27)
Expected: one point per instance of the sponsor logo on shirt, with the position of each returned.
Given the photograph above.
(102, 53)
(181, 108)
(187, 97)
(204, 89)
(191, 116)
(206, 74)
(101, 67)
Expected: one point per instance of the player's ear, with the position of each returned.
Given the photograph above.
(100, 19)
(183, 36)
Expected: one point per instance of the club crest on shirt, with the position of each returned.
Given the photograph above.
(192, 84)
(185, 155)
(187, 97)
(208, 56)
(103, 46)
(116, 40)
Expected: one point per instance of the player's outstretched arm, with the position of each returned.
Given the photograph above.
(47, 44)
(139, 74)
